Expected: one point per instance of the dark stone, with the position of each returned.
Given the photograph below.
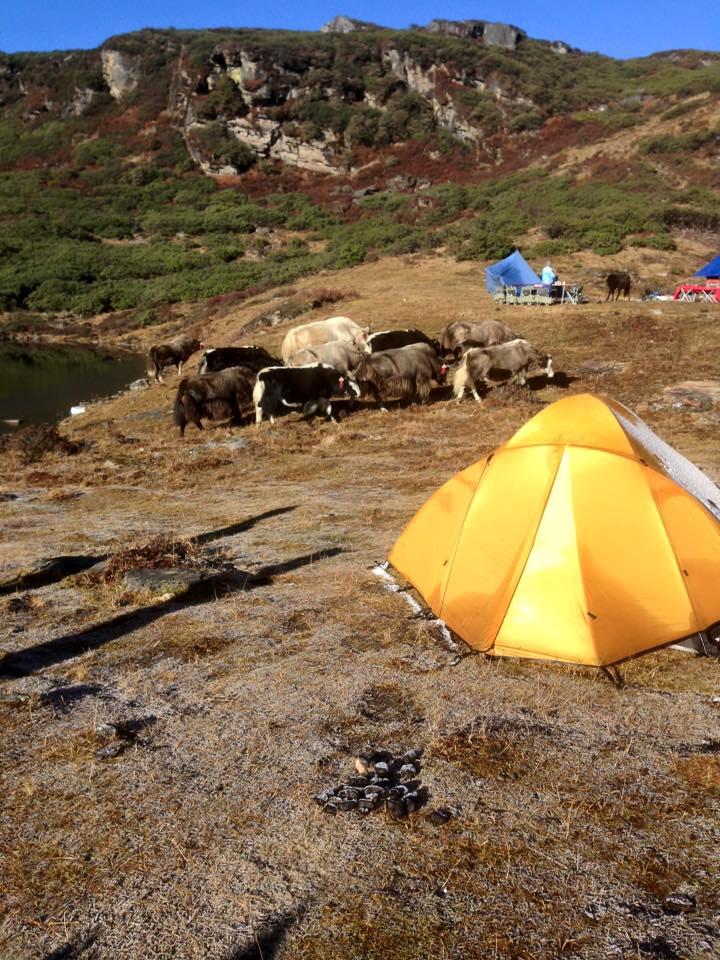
(411, 802)
(677, 903)
(112, 750)
(348, 793)
(373, 791)
(440, 816)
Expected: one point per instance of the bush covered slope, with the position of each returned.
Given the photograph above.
(178, 165)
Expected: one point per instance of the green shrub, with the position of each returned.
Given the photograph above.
(97, 150)
(223, 149)
(658, 241)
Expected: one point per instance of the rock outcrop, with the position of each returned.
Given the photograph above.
(494, 34)
(343, 24)
(121, 72)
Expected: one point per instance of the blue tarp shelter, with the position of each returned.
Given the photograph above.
(710, 270)
(512, 271)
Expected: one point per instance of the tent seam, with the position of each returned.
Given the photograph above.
(532, 544)
(669, 540)
(451, 562)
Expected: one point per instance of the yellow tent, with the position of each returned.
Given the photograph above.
(584, 538)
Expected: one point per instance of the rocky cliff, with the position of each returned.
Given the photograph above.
(324, 102)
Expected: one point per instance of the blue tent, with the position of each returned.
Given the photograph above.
(513, 270)
(711, 269)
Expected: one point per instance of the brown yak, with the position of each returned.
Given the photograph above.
(215, 396)
(174, 352)
(404, 372)
(503, 362)
(486, 333)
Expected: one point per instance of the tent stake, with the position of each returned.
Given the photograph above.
(613, 673)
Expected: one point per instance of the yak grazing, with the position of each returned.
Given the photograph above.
(322, 331)
(486, 333)
(220, 358)
(175, 352)
(406, 372)
(393, 339)
(215, 396)
(309, 387)
(343, 355)
(503, 362)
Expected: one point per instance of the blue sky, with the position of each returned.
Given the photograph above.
(620, 29)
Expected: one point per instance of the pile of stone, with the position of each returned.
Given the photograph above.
(381, 781)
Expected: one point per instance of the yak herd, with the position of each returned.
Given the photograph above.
(337, 358)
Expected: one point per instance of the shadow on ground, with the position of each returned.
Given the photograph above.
(23, 663)
(56, 569)
(268, 940)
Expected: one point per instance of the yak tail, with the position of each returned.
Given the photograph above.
(152, 368)
(460, 380)
(179, 414)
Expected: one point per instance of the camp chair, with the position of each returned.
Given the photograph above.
(571, 293)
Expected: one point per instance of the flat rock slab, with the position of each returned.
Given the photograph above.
(174, 580)
(236, 443)
(600, 368)
(693, 394)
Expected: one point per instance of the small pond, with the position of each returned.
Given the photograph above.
(39, 384)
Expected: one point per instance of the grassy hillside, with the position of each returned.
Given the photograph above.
(103, 207)
(161, 752)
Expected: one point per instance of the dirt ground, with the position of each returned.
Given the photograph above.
(161, 751)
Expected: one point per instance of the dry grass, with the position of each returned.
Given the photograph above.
(578, 806)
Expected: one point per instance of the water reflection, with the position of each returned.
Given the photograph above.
(40, 384)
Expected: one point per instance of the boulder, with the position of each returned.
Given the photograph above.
(494, 34)
(121, 72)
(473, 29)
(693, 394)
(501, 35)
(172, 580)
(343, 24)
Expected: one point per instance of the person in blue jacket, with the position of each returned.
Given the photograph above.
(548, 275)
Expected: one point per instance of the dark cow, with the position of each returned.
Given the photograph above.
(173, 353)
(485, 333)
(394, 339)
(220, 358)
(215, 396)
(617, 283)
(406, 372)
(309, 387)
(503, 362)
